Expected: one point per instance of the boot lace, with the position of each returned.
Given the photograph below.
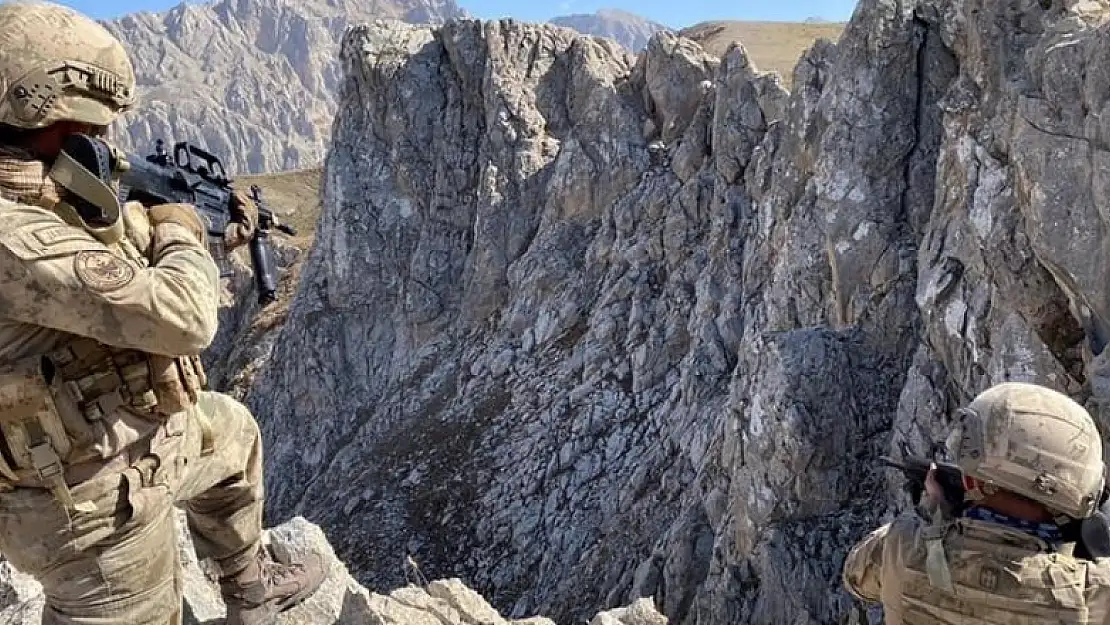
(276, 574)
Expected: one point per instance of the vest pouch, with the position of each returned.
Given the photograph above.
(98, 380)
(29, 417)
(171, 385)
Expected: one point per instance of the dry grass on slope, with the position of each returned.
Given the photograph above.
(294, 197)
(773, 46)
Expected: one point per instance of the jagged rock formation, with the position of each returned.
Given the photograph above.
(580, 327)
(252, 80)
(255, 80)
(339, 601)
(628, 29)
(247, 331)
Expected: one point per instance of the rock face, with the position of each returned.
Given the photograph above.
(253, 81)
(580, 327)
(247, 332)
(628, 29)
(339, 601)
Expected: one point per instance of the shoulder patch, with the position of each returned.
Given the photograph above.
(32, 233)
(102, 271)
(54, 235)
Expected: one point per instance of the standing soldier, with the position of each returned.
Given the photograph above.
(104, 425)
(1031, 461)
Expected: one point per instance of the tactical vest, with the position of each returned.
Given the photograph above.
(966, 572)
(57, 409)
(53, 407)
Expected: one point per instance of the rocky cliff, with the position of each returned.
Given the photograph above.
(628, 29)
(252, 80)
(580, 327)
(339, 601)
(255, 80)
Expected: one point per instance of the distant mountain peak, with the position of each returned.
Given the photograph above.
(254, 81)
(630, 30)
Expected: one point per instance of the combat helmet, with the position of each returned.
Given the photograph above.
(56, 64)
(1033, 441)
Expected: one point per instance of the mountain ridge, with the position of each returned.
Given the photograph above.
(255, 81)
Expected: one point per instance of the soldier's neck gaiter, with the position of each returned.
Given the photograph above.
(1048, 532)
(24, 179)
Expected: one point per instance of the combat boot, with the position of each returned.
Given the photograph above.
(266, 588)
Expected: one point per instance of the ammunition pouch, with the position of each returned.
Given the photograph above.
(54, 407)
(97, 380)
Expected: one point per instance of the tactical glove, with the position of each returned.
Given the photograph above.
(244, 220)
(137, 225)
(182, 214)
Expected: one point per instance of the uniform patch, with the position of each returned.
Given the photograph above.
(102, 271)
(53, 235)
(988, 579)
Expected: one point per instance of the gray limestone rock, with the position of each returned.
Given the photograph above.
(21, 598)
(582, 328)
(253, 81)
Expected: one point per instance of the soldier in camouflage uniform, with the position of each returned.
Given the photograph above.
(104, 423)
(1031, 460)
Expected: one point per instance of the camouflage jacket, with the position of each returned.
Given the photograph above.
(120, 322)
(974, 572)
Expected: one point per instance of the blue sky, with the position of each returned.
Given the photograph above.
(674, 13)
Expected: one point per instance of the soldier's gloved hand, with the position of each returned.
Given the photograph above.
(932, 486)
(244, 219)
(137, 225)
(182, 214)
(934, 501)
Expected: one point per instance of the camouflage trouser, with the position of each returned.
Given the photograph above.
(119, 563)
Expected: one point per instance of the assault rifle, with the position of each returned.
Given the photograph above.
(1091, 535)
(916, 468)
(195, 176)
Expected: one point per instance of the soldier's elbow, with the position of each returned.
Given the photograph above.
(203, 341)
(192, 334)
(186, 344)
(206, 330)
